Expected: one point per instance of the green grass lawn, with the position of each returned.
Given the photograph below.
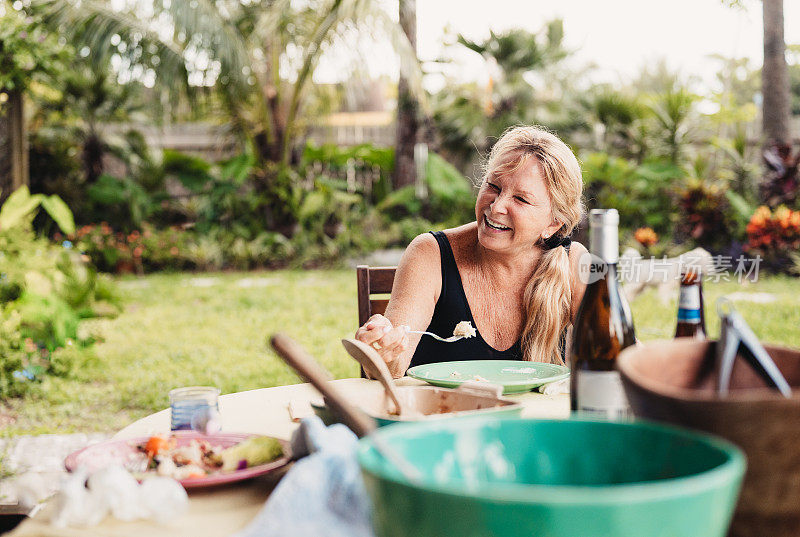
(212, 329)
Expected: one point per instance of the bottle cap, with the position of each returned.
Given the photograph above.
(603, 217)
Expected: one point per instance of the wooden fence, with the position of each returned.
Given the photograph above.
(216, 142)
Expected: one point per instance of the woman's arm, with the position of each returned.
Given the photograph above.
(416, 288)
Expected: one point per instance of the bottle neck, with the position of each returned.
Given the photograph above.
(604, 242)
(690, 304)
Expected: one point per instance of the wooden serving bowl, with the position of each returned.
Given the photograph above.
(675, 381)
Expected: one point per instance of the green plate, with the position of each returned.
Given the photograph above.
(514, 375)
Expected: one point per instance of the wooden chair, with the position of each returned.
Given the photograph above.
(373, 281)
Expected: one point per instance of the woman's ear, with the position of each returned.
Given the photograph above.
(552, 229)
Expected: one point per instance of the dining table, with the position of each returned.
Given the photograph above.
(275, 412)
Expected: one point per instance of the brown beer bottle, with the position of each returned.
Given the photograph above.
(691, 319)
(603, 325)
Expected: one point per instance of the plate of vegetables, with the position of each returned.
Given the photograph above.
(192, 458)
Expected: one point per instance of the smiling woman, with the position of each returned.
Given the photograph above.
(512, 272)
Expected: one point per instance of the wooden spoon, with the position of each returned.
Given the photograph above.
(374, 367)
(358, 422)
(308, 368)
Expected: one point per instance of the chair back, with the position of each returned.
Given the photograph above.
(373, 281)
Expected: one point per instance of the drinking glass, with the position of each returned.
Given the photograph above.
(194, 408)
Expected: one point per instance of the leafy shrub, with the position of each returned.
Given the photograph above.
(781, 184)
(137, 251)
(44, 291)
(450, 197)
(775, 236)
(206, 254)
(126, 203)
(642, 194)
(706, 216)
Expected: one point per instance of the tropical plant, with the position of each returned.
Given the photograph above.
(617, 122)
(775, 236)
(259, 55)
(738, 167)
(29, 53)
(642, 194)
(674, 119)
(525, 87)
(86, 101)
(706, 217)
(781, 182)
(44, 291)
(27, 49)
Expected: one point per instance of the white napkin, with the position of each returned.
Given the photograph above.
(555, 388)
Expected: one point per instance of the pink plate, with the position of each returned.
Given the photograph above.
(124, 452)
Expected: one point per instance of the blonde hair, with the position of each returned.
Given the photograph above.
(548, 294)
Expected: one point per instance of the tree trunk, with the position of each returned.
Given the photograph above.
(13, 145)
(775, 77)
(405, 172)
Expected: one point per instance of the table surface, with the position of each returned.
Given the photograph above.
(224, 510)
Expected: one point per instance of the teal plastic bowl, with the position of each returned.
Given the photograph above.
(509, 477)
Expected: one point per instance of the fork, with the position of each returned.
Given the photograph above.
(450, 339)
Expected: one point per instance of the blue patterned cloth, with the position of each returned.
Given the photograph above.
(322, 494)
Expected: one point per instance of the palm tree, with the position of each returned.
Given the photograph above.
(260, 55)
(617, 121)
(673, 112)
(525, 87)
(87, 101)
(405, 171)
(775, 76)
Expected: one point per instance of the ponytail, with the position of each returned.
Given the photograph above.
(548, 304)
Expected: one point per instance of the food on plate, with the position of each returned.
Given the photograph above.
(200, 458)
(479, 378)
(251, 452)
(465, 329)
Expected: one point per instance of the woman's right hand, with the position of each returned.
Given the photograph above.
(388, 340)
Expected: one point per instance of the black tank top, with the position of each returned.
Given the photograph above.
(452, 308)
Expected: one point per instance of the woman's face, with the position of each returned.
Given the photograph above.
(513, 210)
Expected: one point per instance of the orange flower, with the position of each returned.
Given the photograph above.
(645, 236)
(761, 216)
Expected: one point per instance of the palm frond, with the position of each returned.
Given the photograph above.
(93, 24)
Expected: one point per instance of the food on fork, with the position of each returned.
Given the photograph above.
(465, 329)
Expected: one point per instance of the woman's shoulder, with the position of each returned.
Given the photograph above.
(458, 237)
(576, 250)
(462, 239)
(422, 251)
